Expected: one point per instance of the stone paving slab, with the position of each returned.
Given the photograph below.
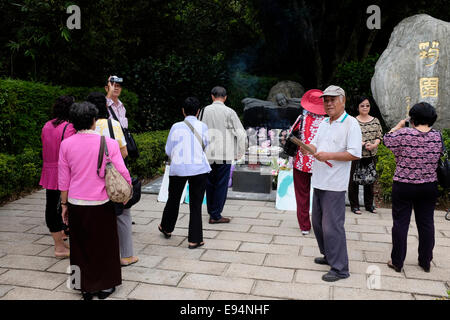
(193, 266)
(33, 279)
(248, 237)
(260, 272)
(260, 255)
(18, 237)
(150, 275)
(217, 283)
(298, 291)
(365, 294)
(4, 289)
(236, 296)
(26, 262)
(20, 293)
(154, 292)
(228, 256)
(21, 248)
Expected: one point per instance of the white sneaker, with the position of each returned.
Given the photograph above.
(305, 232)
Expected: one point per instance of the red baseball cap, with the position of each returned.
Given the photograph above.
(312, 101)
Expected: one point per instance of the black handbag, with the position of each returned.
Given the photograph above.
(132, 149)
(118, 207)
(290, 148)
(443, 168)
(365, 172)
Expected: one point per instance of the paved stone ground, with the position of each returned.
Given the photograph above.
(261, 254)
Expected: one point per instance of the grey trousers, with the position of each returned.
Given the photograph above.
(125, 234)
(328, 218)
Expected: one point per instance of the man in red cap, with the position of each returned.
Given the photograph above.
(307, 125)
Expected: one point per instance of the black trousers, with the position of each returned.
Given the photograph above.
(53, 217)
(353, 188)
(197, 186)
(422, 197)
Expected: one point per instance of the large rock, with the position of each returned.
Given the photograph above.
(290, 89)
(414, 67)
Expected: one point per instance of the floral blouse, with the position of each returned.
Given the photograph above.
(416, 153)
(311, 121)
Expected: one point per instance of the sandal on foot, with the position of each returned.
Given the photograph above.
(392, 266)
(124, 262)
(193, 246)
(356, 211)
(166, 234)
(372, 209)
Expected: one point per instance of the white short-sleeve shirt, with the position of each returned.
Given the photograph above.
(343, 134)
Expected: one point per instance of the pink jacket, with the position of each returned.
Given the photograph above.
(51, 140)
(77, 166)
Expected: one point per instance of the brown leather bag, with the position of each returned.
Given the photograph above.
(117, 187)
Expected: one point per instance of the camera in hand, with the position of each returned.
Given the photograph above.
(116, 79)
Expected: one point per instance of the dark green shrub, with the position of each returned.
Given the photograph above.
(20, 172)
(26, 106)
(164, 83)
(152, 154)
(385, 168)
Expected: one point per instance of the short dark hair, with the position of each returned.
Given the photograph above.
(191, 105)
(82, 115)
(219, 92)
(423, 113)
(99, 100)
(61, 109)
(358, 100)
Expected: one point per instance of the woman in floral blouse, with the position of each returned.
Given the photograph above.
(417, 151)
(371, 138)
(307, 123)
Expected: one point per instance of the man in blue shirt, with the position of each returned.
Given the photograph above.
(185, 147)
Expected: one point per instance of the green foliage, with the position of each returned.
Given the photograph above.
(355, 76)
(26, 106)
(19, 172)
(385, 168)
(165, 83)
(152, 154)
(24, 109)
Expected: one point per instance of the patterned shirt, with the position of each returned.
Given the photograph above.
(416, 153)
(119, 110)
(370, 132)
(311, 121)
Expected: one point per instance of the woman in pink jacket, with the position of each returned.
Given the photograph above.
(94, 243)
(53, 132)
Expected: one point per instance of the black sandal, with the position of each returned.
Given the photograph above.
(356, 211)
(372, 209)
(392, 266)
(193, 246)
(166, 235)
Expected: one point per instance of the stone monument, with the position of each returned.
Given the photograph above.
(414, 67)
(279, 115)
(290, 89)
